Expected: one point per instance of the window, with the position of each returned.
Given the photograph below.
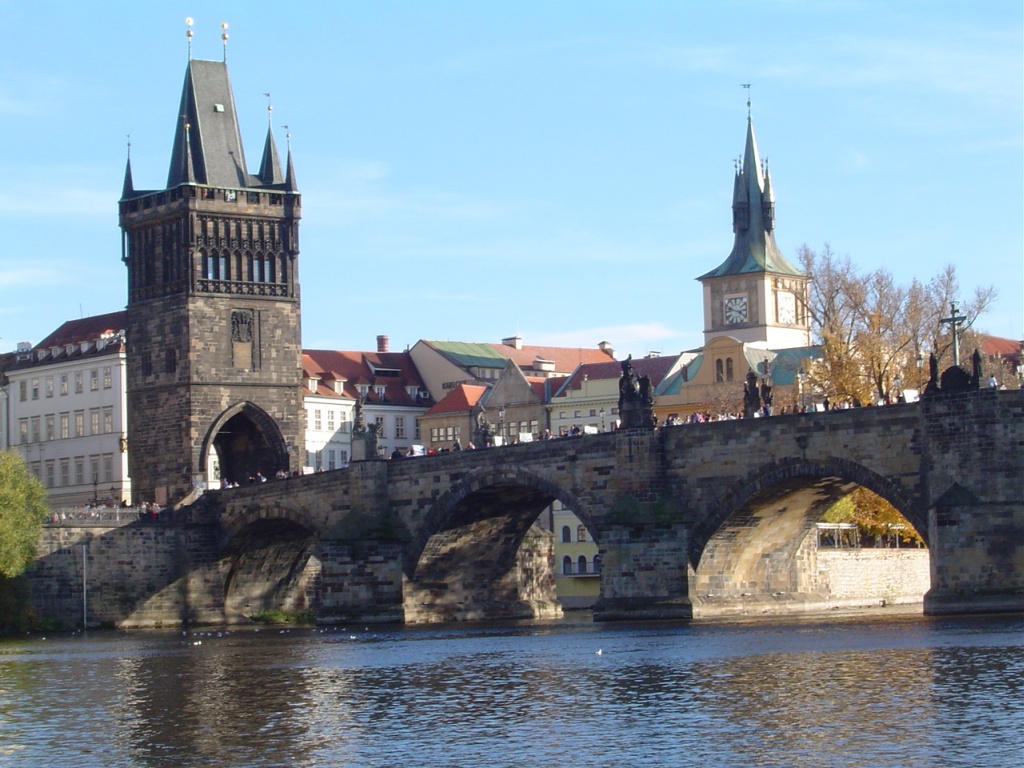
(49, 474)
(23, 391)
(94, 466)
(593, 411)
(379, 421)
(108, 420)
(49, 386)
(63, 384)
(65, 472)
(561, 414)
(728, 369)
(94, 421)
(343, 457)
(576, 414)
(317, 423)
(94, 380)
(379, 390)
(48, 426)
(330, 422)
(79, 423)
(330, 459)
(417, 436)
(78, 383)
(567, 565)
(400, 427)
(719, 374)
(581, 533)
(582, 564)
(108, 467)
(566, 534)
(23, 430)
(35, 429)
(37, 470)
(79, 470)
(35, 389)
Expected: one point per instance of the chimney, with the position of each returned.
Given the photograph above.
(516, 342)
(606, 347)
(382, 343)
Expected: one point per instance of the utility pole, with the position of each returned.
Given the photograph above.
(954, 321)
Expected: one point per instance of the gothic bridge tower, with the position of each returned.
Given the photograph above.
(213, 336)
(756, 295)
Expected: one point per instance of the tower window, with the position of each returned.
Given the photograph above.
(728, 369)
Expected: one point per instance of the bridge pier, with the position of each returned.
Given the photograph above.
(975, 494)
(644, 573)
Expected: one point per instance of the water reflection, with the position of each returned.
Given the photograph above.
(894, 692)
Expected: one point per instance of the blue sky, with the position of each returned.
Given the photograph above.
(561, 170)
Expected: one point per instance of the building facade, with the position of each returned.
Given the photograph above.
(67, 411)
(213, 356)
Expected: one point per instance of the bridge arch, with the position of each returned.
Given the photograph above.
(445, 510)
(791, 472)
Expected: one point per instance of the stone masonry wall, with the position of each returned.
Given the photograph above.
(873, 576)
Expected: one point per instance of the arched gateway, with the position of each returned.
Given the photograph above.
(243, 444)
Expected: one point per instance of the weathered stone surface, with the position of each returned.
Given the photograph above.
(682, 515)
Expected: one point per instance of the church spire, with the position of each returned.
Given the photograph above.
(128, 188)
(290, 184)
(753, 218)
(270, 165)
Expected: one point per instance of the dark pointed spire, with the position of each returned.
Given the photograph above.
(753, 212)
(214, 140)
(128, 188)
(270, 165)
(290, 184)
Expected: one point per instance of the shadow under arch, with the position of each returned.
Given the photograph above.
(245, 440)
(448, 510)
(797, 473)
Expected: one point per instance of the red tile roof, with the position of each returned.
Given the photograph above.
(566, 359)
(995, 345)
(85, 329)
(366, 368)
(463, 397)
(654, 367)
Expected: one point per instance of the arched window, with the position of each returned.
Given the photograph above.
(719, 376)
(566, 565)
(566, 534)
(581, 533)
(728, 369)
(581, 564)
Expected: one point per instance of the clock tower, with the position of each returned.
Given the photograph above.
(755, 296)
(213, 341)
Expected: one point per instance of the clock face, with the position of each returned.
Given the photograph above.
(736, 310)
(787, 307)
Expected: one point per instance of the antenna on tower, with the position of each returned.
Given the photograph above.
(224, 37)
(188, 34)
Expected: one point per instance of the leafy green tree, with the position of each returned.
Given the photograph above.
(874, 516)
(22, 511)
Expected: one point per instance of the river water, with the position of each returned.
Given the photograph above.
(877, 689)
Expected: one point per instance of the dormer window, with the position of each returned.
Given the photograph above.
(364, 390)
(379, 390)
(412, 391)
(312, 384)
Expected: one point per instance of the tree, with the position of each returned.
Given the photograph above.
(874, 333)
(22, 511)
(875, 517)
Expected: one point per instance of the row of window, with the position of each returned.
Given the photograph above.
(581, 534)
(53, 426)
(578, 413)
(327, 459)
(254, 269)
(72, 471)
(445, 434)
(316, 418)
(580, 566)
(60, 383)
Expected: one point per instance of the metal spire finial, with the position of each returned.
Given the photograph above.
(288, 137)
(270, 108)
(224, 37)
(747, 86)
(188, 34)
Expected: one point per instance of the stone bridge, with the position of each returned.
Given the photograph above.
(690, 520)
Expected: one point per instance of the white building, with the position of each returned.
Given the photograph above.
(67, 410)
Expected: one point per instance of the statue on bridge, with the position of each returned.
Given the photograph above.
(364, 438)
(636, 399)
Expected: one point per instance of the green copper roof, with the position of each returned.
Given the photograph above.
(469, 354)
(753, 215)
